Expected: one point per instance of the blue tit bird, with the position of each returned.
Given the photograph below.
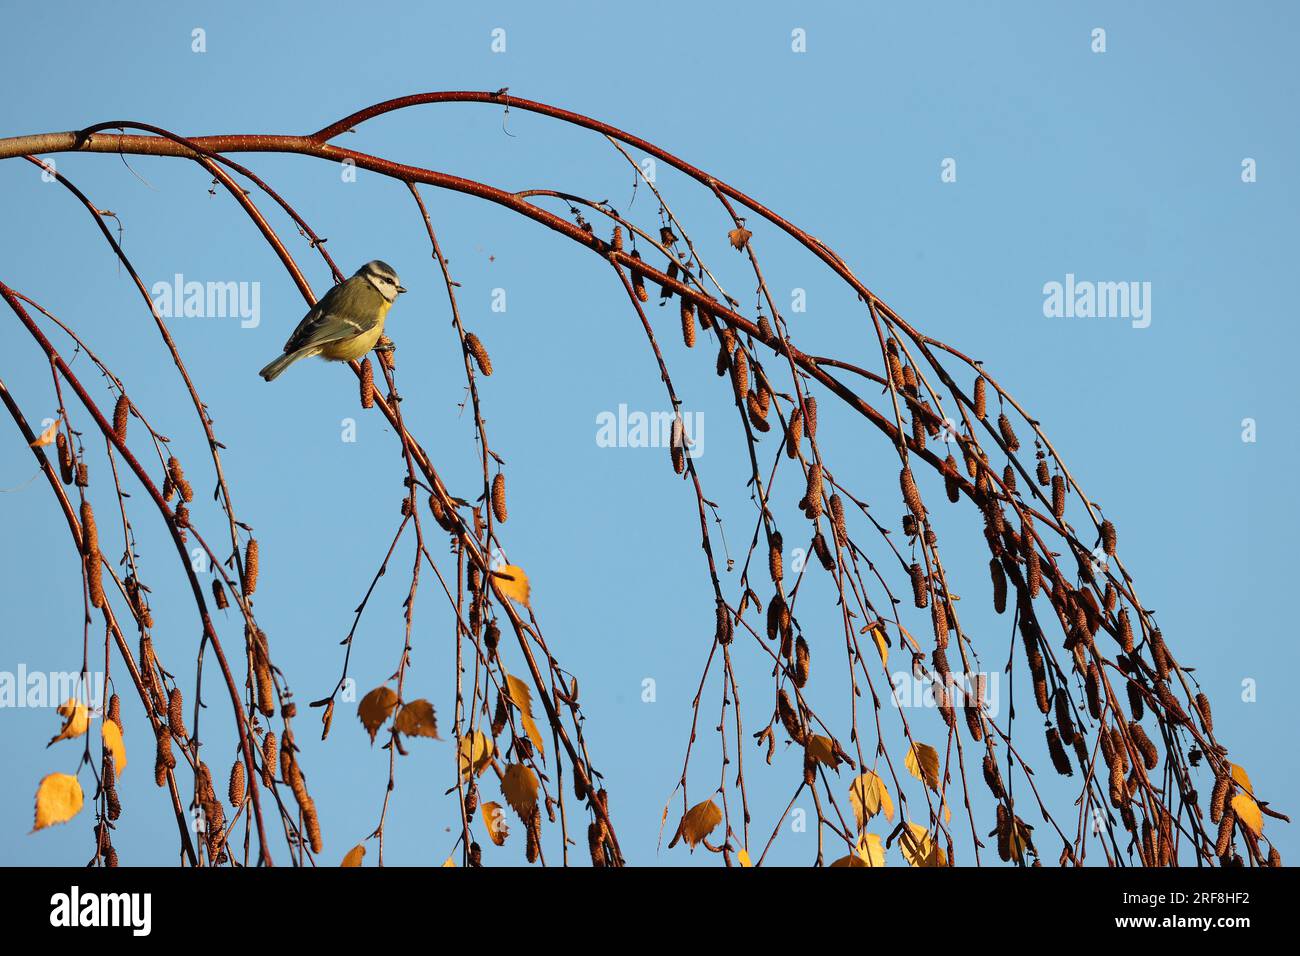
(346, 323)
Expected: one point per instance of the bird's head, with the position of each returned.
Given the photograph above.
(383, 277)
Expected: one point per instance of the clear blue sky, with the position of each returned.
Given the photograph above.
(1117, 166)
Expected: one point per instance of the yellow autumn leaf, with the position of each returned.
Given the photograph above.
(475, 753)
(871, 850)
(698, 822)
(743, 858)
(47, 437)
(1248, 813)
(919, 847)
(739, 236)
(375, 708)
(519, 694)
(923, 763)
(850, 860)
(450, 861)
(513, 583)
(519, 786)
(76, 720)
(882, 645)
(58, 799)
(417, 719)
(355, 856)
(111, 735)
(870, 796)
(1242, 779)
(494, 818)
(822, 750)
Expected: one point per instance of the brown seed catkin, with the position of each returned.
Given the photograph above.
(775, 564)
(367, 384)
(757, 414)
(823, 552)
(1125, 627)
(911, 495)
(638, 281)
(688, 323)
(1160, 655)
(1136, 701)
(120, 411)
(499, 497)
(219, 595)
(810, 415)
(920, 593)
(1008, 433)
(1092, 687)
(176, 713)
(1219, 797)
(992, 779)
(65, 458)
(1058, 497)
(813, 494)
(838, 521)
(1150, 755)
(89, 530)
(802, 662)
(616, 243)
(1044, 476)
(1060, 759)
(95, 581)
(475, 348)
(1064, 722)
(939, 618)
(115, 711)
(740, 373)
(793, 434)
(981, 398)
(1203, 709)
(177, 475)
(789, 717)
(250, 567)
(83, 475)
(951, 481)
(1108, 538)
(999, 585)
(236, 793)
(1224, 843)
(270, 756)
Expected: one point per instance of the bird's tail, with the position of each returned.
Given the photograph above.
(283, 362)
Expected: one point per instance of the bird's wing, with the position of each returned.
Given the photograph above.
(323, 324)
(321, 328)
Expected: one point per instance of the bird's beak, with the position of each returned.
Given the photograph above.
(400, 290)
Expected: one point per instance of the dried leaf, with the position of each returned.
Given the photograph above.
(698, 822)
(417, 719)
(375, 708)
(739, 237)
(870, 796)
(355, 856)
(47, 437)
(519, 786)
(923, 764)
(513, 583)
(822, 750)
(871, 850)
(522, 698)
(878, 635)
(919, 848)
(494, 818)
(475, 753)
(76, 720)
(58, 799)
(111, 736)
(1248, 813)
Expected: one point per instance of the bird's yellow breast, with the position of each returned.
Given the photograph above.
(354, 348)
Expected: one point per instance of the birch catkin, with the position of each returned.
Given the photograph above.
(499, 497)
